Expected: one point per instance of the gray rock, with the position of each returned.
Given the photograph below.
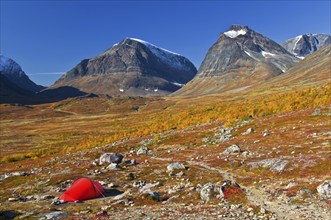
(155, 196)
(249, 131)
(46, 197)
(56, 215)
(225, 137)
(232, 149)
(275, 164)
(111, 158)
(265, 133)
(13, 199)
(142, 150)
(175, 166)
(209, 191)
(114, 166)
(131, 162)
(316, 112)
(324, 190)
(148, 186)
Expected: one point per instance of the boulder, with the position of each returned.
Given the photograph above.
(175, 166)
(111, 158)
(232, 149)
(324, 190)
(210, 191)
(274, 164)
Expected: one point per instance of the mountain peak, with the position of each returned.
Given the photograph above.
(236, 30)
(132, 67)
(240, 58)
(14, 73)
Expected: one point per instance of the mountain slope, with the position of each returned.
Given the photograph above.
(16, 75)
(131, 67)
(315, 68)
(306, 44)
(240, 58)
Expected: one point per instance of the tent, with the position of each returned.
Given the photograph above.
(82, 189)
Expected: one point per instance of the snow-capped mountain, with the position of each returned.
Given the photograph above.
(132, 67)
(306, 44)
(14, 73)
(239, 58)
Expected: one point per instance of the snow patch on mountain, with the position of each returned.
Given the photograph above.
(169, 57)
(178, 84)
(266, 54)
(234, 34)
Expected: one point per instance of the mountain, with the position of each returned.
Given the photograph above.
(240, 58)
(315, 68)
(14, 73)
(304, 45)
(132, 67)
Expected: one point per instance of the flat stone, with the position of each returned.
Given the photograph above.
(56, 215)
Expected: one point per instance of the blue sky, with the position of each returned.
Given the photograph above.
(50, 37)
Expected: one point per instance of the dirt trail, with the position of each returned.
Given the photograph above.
(259, 196)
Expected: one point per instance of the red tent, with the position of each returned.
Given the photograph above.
(82, 189)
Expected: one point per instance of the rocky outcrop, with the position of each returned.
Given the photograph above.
(132, 67)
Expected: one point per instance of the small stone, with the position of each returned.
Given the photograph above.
(262, 210)
(114, 166)
(324, 190)
(131, 162)
(13, 199)
(248, 131)
(56, 215)
(46, 197)
(316, 112)
(58, 202)
(142, 150)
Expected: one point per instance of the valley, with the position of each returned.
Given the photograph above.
(51, 145)
(246, 136)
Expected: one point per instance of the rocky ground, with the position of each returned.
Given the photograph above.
(274, 167)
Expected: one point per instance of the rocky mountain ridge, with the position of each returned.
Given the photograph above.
(240, 57)
(132, 67)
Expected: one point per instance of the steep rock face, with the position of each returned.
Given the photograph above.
(14, 73)
(306, 44)
(240, 58)
(132, 67)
